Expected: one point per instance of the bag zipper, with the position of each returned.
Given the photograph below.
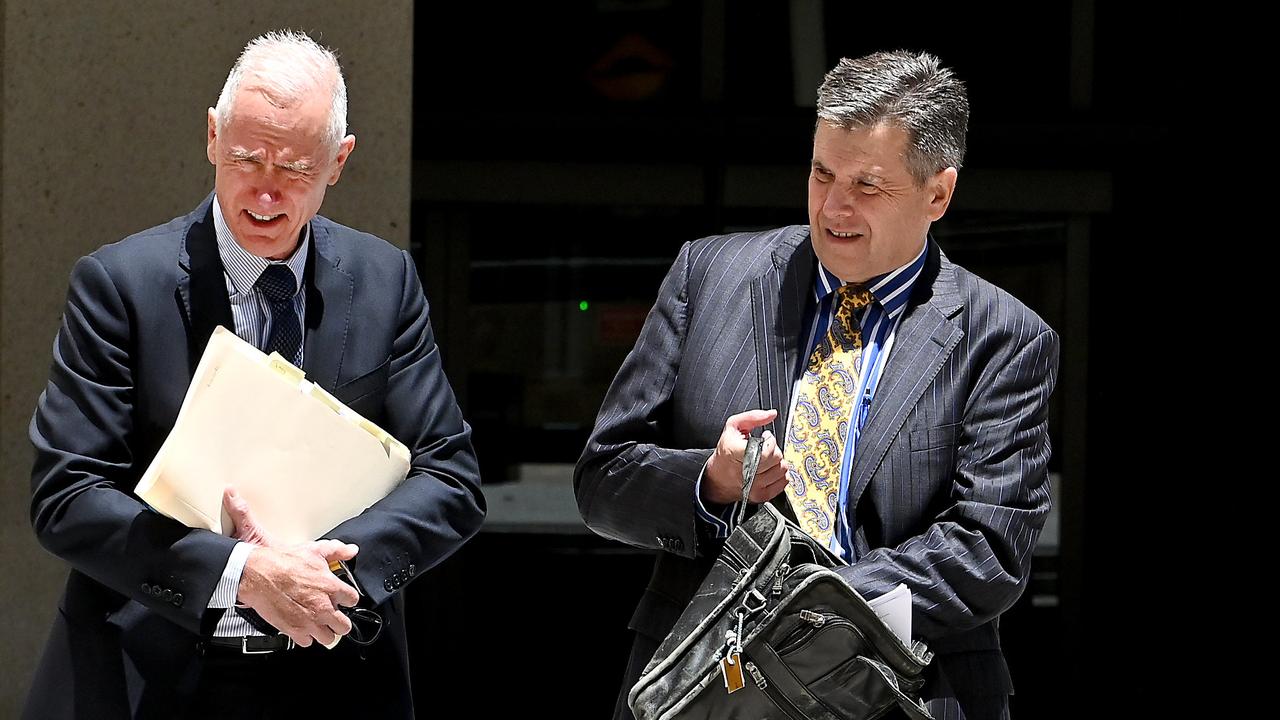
(782, 702)
(813, 623)
(779, 576)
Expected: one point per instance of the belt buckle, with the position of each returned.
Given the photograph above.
(244, 646)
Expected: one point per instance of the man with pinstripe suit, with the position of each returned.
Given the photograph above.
(943, 486)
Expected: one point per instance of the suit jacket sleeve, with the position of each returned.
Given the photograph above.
(972, 561)
(631, 484)
(82, 506)
(439, 505)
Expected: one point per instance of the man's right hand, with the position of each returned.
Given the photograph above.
(722, 480)
(294, 590)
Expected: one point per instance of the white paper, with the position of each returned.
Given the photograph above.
(894, 608)
(302, 461)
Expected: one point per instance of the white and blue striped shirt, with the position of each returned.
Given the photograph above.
(249, 307)
(879, 322)
(252, 317)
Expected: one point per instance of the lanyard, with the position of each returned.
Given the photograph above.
(874, 357)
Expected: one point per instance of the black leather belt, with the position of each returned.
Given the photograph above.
(249, 644)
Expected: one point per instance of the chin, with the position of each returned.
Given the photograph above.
(260, 246)
(847, 265)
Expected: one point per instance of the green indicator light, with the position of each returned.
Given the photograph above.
(583, 306)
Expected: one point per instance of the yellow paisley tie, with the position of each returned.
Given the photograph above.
(818, 430)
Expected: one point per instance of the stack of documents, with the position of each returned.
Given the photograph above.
(894, 608)
(302, 460)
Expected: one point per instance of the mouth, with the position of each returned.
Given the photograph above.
(843, 235)
(264, 220)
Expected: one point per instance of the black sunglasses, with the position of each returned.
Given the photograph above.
(366, 625)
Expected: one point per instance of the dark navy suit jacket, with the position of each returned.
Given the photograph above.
(139, 313)
(949, 485)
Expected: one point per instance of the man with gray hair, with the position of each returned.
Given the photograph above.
(902, 399)
(161, 620)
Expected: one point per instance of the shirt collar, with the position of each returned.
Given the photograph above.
(891, 290)
(243, 267)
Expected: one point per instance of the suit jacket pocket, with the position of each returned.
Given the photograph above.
(932, 463)
(359, 388)
(934, 437)
(161, 651)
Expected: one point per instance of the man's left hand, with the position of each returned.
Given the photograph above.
(246, 529)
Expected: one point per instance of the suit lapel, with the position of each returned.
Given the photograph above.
(924, 339)
(202, 286)
(777, 312)
(329, 290)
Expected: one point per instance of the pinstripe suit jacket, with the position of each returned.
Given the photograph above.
(949, 482)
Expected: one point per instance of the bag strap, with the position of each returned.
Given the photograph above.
(750, 461)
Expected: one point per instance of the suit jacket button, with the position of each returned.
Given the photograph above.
(177, 599)
(387, 584)
(412, 568)
(677, 543)
(146, 588)
(166, 595)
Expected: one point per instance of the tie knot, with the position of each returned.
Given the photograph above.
(277, 283)
(854, 296)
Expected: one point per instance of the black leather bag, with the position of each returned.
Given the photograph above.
(808, 646)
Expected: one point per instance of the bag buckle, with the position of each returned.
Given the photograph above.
(754, 602)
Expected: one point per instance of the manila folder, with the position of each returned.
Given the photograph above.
(302, 460)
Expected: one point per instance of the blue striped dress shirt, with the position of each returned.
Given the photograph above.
(879, 322)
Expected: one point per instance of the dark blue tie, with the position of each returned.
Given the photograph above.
(278, 286)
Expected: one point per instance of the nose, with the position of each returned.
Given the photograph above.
(268, 195)
(267, 188)
(839, 203)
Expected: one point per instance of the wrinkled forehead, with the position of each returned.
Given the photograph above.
(259, 108)
(882, 144)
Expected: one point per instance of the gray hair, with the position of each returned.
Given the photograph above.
(911, 91)
(284, 65)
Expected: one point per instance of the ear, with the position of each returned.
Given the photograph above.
(213, 137)
(941, 188)
(344, 151)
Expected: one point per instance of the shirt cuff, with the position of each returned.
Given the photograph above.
(224, 595)
(718, 519)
